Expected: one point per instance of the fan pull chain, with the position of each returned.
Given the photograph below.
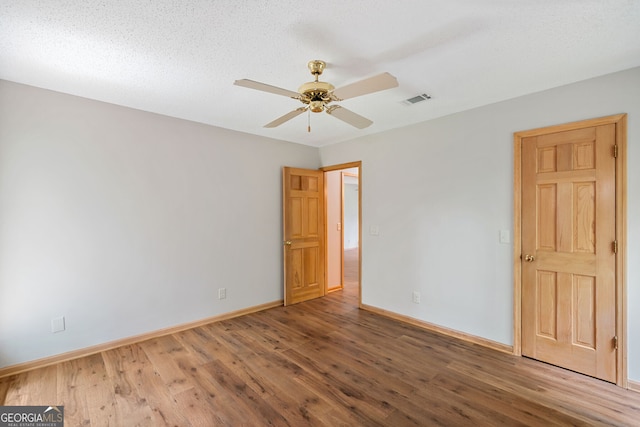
(309, 121)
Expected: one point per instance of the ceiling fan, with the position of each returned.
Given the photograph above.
(317, 95)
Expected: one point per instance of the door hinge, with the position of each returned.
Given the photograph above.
(615, 342)
(615, 151)
(614, 246)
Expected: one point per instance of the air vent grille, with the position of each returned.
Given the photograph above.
(416, 99)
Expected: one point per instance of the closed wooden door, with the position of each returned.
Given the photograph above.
(303, 225)
(568, 253)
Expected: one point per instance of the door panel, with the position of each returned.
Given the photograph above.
(568, 266)
(303, 225)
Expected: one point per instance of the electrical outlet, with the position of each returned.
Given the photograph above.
(222, 293)
(57, 324)
(416, 297)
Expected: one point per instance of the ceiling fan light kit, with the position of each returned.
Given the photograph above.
(317, 95)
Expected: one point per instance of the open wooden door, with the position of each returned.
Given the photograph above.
(569, 249)
(303, 225)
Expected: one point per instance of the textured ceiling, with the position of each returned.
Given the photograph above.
(180, 58)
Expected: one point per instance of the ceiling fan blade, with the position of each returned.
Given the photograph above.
(372, 84)
(266, 88)
(286, 117)
(349, 116)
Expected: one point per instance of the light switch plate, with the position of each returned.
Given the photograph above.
(505, 236)
(57, 324)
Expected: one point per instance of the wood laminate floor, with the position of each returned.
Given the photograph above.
(319, 363)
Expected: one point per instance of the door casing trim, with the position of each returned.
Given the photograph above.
(620, 122)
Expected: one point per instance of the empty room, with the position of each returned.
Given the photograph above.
(320, 213)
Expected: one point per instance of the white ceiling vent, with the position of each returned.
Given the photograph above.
(416, 99)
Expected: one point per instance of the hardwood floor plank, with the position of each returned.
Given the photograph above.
(302, 406)
(392, 361)
(549, 398)
(213, 398)
(196, 407)
(268, 337)
(130, 407)
(76, 380)
(88, 384)
(319, 363)
(289, 389)
(37, 387)
(296, 410)
(325, 380)
(161, 352)
(5, 384)
(496, 404)
(336, 358)
(149, 386)
(45, 392)
(393, 392)
(234, 354)
(254, 406)
(164, 409)
(197, 342)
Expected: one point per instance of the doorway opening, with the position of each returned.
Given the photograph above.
(343, 229)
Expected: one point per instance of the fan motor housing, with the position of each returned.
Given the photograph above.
(316, 94)
(319, 87)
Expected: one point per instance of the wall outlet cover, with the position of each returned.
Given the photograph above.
(416, 297)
